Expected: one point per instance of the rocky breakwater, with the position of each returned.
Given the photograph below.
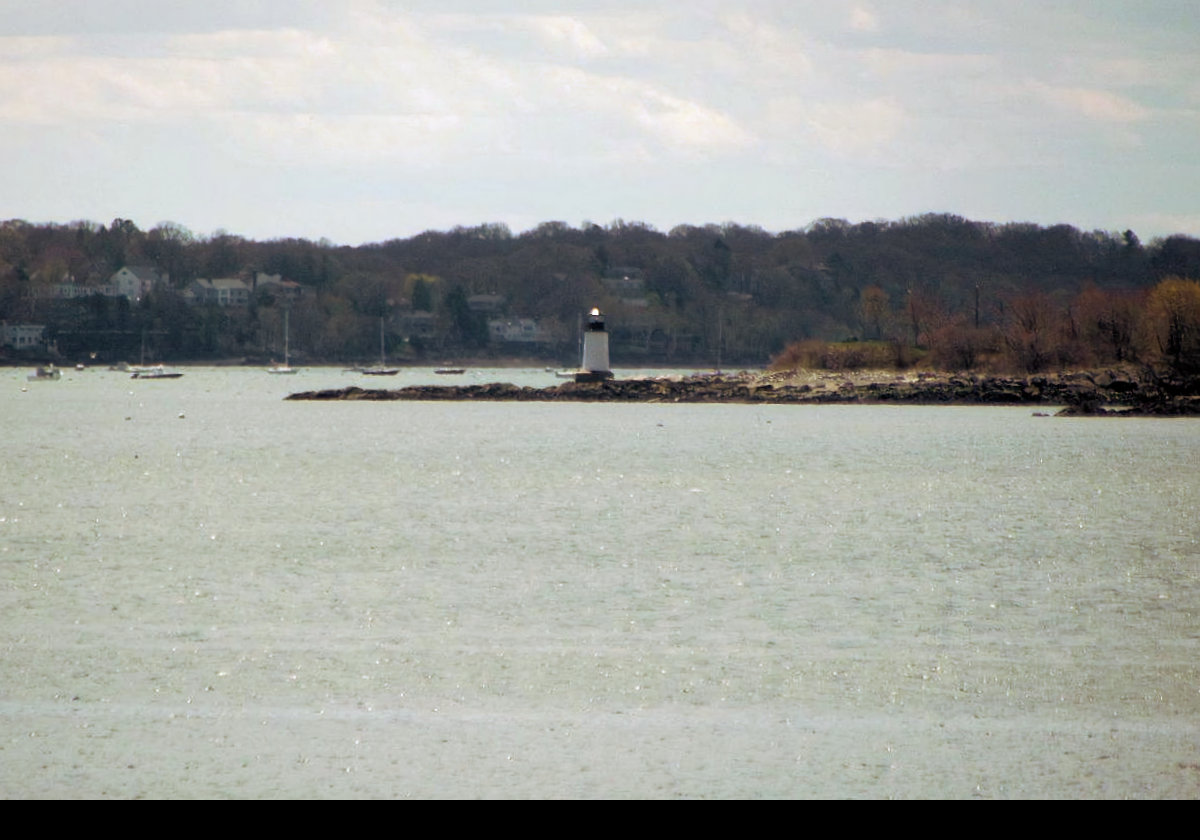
(1081, 393)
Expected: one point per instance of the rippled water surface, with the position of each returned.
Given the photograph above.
(210, 592)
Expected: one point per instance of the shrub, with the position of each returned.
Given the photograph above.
(961, 347)
(1170, 325)
(814, 354)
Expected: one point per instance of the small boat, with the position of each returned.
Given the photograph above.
(155, 372)
(449, 371)
(286, 367)
(49, 373)
(381, 369)
(144, 371)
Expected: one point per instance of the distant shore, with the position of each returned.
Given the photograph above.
(1087, 393)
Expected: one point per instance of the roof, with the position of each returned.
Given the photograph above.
(142, 272)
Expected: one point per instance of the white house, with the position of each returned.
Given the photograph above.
(517, 330)
(133, 282)
(69, 290)
(23, 336)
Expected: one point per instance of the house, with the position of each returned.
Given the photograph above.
(222, 291)
(23, 336)
(70, 290)
(486, 303)
(517, 330)
(133, 282)
(273, 285)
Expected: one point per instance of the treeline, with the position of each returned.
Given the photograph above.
(1158, 328)
(956, 292)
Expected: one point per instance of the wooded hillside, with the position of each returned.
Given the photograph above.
(954, 290)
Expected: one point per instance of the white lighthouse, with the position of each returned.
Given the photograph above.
(594, 367)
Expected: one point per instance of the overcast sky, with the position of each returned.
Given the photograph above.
(365, 120)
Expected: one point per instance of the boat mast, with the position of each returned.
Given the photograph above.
(720, 335)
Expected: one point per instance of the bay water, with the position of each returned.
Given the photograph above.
(207, 591)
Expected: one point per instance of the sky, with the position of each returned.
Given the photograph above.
(366, 120)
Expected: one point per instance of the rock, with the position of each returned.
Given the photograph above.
(1085, 395)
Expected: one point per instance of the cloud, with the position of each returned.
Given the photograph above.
(906, 66)
(67, 91)
(321, 140)
(863, 19)
(758, 48)
(617, 105)
(688, 126)
(568, 35)
(397, 96)
(302, 92)
(193, 77)
(855, 128)
(1100, 105)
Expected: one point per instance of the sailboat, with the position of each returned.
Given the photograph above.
(141, 366)
(286, 367)
(381, 369)
(144, 371)
(570, 374)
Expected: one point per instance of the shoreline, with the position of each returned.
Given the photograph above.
(1095, 393)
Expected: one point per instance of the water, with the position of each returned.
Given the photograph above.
(210, 592)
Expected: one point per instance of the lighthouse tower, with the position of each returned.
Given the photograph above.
(594, 367)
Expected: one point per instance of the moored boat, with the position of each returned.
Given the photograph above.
(286, 367)
(155, 372)
(381, 369)
(48, 373)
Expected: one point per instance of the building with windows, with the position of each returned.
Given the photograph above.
(274, 286)
(517, 330)
(222, 291)
(23, 336)
(133, 282)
